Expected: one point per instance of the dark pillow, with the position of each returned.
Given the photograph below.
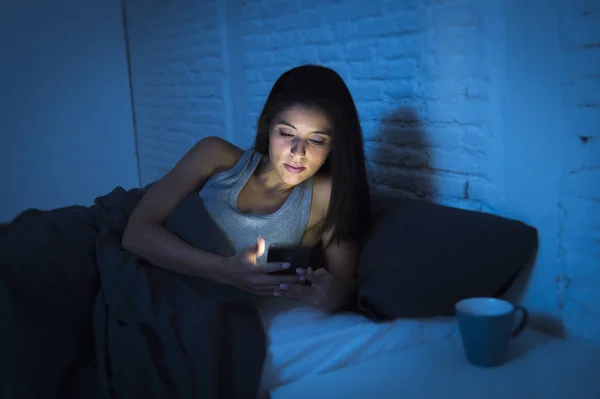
(421, 258)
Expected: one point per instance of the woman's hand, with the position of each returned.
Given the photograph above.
(323, 291)
(243, 272)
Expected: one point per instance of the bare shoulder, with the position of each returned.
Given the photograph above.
(222, 154)
(321, 193)
(206, 158)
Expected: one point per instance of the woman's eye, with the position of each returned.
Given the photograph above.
(289, 134)
(285, 133)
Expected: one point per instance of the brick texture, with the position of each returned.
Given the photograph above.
(405, 63)
(579, 35)
(428, 78)
(177, 76)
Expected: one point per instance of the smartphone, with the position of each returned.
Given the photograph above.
(297, 256)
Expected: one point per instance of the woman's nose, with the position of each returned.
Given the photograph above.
(298, 148)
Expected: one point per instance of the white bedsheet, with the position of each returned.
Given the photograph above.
(304, 341)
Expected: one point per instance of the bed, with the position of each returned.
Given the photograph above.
(304, 341)
(104, 311)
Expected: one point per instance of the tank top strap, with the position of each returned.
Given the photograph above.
(242, 169)
(244, 175)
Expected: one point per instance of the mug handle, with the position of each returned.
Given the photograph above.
(524, 321)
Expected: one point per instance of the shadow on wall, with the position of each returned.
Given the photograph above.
(398, 156)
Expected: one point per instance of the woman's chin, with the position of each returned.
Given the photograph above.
(293, 179)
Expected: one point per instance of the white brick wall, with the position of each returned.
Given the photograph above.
(456, 106)
(404, 62)
(579, 36)
(177, 76)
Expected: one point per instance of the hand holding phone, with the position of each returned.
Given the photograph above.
(242, 271)
(297, 256)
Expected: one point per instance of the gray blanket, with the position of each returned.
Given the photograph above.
(83, 318)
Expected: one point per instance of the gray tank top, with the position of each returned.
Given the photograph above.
(284, 226)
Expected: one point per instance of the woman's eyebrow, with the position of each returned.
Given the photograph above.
(284, 122)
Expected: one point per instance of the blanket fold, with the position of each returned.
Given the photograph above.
(88, 319)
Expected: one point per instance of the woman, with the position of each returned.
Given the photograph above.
(304, 182)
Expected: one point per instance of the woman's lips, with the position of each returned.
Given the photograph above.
(293, 169)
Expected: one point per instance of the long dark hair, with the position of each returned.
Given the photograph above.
(317, 86)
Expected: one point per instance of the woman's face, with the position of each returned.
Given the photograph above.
(300, 140)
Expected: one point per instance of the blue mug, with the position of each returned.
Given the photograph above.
(486, 326)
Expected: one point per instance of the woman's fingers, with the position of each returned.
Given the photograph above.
(264, 282)
(294, 289)
(302, 272)
(271, 267)
(260, 247)
(266, 290)
(273, 290)
(260, 280)
(253, 252)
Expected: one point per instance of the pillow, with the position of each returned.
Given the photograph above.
(421, 258)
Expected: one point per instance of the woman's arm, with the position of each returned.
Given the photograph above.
(342, 261)
(333, 289)
(145, 234)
